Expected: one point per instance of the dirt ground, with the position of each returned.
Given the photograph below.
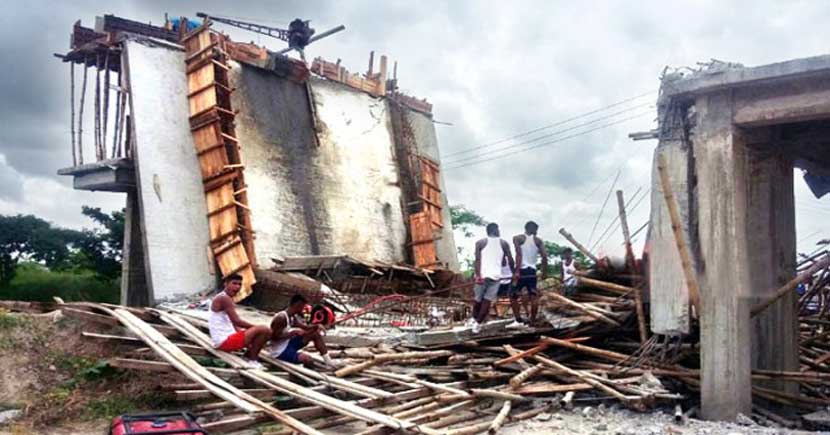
(615, 421)
(59, 380)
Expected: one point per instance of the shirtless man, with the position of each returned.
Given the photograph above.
(289, 334)
(529, 247)
(490, 254)
(228, 331)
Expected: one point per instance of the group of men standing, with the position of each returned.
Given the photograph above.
(288, 332)
(496, 273)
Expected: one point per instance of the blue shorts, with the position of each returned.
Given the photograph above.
(292, 350)
(527, 279)
(505, 289)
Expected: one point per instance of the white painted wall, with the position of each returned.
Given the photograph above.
(171, 196)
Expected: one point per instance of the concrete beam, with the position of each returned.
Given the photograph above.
(738, 77)
(114, 175)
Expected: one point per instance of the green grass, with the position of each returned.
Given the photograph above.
(11, 321)
(33, 282)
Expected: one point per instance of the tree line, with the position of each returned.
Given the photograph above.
(33, 250)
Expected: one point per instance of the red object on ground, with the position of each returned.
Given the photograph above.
(169, 423)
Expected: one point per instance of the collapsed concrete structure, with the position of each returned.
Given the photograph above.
(730, 137)
(232, 156)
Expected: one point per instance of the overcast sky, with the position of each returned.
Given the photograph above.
(492, 69)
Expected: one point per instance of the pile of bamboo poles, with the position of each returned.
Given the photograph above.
(467, 386)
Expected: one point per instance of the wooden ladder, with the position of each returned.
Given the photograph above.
(212, 126)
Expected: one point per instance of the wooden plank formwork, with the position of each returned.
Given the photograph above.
(212, 126)
(426, 224)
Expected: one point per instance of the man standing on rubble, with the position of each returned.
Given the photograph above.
(529, 247)
(490, 253)
(228, 331)
(290, 333)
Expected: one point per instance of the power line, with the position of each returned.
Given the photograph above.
(602, 209)
(631, 211)
(564, 121)
(617, 217)
(545, 136)
(582, 133)
(589, 195)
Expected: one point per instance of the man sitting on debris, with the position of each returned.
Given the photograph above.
(529, 248)
(228, 331)
(567, 273)
(490, 253)
(290, 333)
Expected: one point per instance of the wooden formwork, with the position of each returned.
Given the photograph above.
(212, 126)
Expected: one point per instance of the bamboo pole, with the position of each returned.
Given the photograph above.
(526, 374)
(519, 356)
(677, 229)
(629, 257)
(72, 110)
(500, 418)
(793, 283)
(587, 379)
(610, 286)
(495, 394)
(582, 308)
(81, 115)
(196, 372)
(578, 245)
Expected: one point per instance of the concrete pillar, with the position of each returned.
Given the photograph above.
(770, 219)
(134, 290)
(723, 269)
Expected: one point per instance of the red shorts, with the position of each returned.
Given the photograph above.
(234, 342)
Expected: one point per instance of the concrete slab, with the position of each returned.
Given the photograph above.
(705, 82)
(171, 196)
(113, 175)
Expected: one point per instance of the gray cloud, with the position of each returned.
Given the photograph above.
(491, 69)
(11, 183)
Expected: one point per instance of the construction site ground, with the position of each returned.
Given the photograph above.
(62, 385)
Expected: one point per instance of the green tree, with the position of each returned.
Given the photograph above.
(27, 237)
(101, 249)
(555, 254)
(464, 220)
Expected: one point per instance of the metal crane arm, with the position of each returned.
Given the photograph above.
(258, 28)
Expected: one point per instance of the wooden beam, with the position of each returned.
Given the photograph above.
(578, 245)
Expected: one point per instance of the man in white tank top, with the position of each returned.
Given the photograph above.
(567, 274)
(490, 254)
(228, 331)
(529, 248)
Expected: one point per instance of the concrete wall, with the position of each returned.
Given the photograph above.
(171, 198)
(341, 197)
(669, 294)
